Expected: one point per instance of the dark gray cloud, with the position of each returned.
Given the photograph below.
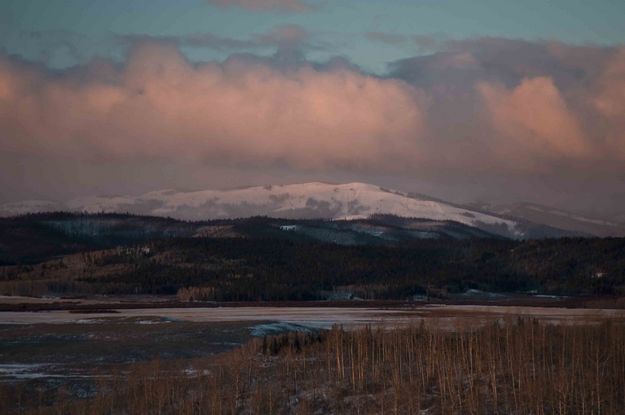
(506, 61)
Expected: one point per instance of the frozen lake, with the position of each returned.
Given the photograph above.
(77, 346)
(322, 317)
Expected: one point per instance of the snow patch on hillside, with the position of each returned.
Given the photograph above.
(314, 200)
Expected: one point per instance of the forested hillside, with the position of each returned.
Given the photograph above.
(244, 269)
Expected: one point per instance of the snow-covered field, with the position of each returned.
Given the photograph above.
(31, 371)
(329, 315)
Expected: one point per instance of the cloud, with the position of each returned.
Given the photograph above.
(532, 119)
(283, 38)
(296, 6)
(159, 106)
(507, 61)
(523, 103)
(490, 115)
(194, 40)
(609, 100)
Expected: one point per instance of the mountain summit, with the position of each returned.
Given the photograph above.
(314, 200)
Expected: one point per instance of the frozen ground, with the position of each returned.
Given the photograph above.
(73, 348)
(320, 317)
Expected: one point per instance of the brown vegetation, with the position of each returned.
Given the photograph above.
(279, 270)
(196, 294)
(519, 367)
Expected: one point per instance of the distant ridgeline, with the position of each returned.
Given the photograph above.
(36, 237)
(273, 259)
(346, 203)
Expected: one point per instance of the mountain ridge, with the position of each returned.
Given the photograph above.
(313, 200)
(554, 217)
(319, 200)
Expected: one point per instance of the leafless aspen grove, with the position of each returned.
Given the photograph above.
(516, 367)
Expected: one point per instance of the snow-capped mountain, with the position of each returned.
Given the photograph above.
(556, 218)
(297, 201)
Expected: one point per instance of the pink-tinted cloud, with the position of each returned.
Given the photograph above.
(161, 107)
(249, 110)
(532, 119)
(263, 5)
(609, 101)
(518, 104)
(483, 113)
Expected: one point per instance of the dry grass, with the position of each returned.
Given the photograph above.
(521, 367)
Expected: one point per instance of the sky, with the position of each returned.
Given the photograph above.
(489, 100)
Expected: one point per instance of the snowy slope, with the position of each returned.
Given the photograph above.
(296, 201)
(556, 218)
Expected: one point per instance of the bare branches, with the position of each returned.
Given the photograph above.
(507, 368)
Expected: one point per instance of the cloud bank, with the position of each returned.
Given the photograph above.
(243, 110)
(479, 108)
(528, 105)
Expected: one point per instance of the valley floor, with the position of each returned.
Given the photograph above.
(517, 366)
(188, 360)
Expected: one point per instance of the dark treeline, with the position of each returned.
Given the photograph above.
(239, 269)
(38, 237)
(516, 368)
(34, 238)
